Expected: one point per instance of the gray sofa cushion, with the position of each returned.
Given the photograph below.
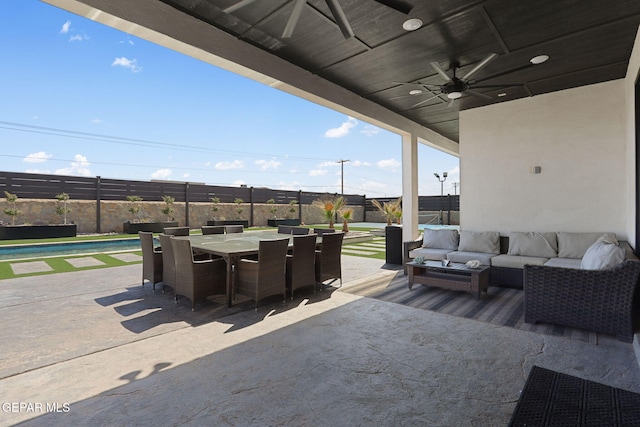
(564, 262)
(533, 244)
(515, 261)
(441, 239)
(574, 245)
(464, 256)
(430, 253)
(480, 241)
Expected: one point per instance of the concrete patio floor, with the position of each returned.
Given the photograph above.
(96, 348)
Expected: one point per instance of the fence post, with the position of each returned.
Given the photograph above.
(98, 205)
(300, 206)
(186, 204)
(251, 206)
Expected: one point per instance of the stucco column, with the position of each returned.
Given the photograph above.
(409, 187)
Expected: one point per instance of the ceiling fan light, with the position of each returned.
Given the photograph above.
(415, 92)
(539, 59)
(412, 24)
(454, 95)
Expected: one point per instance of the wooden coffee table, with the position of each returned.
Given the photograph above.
(455, 276)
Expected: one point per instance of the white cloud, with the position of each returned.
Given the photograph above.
(45, 171)
(268, 164)
(38, 157)
(370, 130)
(358, 163)
(343, 130)
(65, 27)
(127, 63)
(317, 172)
(79, 167)
(225, 166)
(390, 164)
(78, 38)
(238, 182)
(161, 174)
(96, 121)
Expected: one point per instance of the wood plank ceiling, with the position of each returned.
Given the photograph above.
(587, 41)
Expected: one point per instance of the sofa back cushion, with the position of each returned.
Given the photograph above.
(441, 239)
(574, 245)
(604, 253)
(480, 241)
(533, 243)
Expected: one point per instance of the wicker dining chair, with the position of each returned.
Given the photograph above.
(234, 229)
(197, 280)
(151, 259)
(301, 263)
(266, 276)
(300, 231)
(177, 231)
(328, 262)
(322, 231)
(168, 262)
(285, 229)
(212, 229)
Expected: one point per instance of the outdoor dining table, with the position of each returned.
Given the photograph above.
(233, 246)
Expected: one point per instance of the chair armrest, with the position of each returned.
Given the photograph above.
(408, 247)
(595, 300)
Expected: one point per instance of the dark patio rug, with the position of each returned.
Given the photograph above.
(500, 306)
(550, 398)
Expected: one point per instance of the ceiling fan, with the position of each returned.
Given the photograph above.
(335, 8)
(454, 86)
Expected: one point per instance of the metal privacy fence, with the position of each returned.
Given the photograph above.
(45, 186)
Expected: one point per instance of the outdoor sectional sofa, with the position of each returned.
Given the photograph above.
(582, 280)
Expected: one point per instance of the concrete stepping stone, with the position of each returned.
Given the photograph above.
(127, 257)
(84, 262)
(30, 267)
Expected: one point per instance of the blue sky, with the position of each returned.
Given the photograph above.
(80, 98)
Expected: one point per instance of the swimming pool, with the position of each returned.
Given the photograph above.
(67, 248)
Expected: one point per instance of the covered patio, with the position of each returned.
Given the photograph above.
(560, 155)
(102, 350)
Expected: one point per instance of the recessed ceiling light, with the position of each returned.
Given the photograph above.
(502, 94)
(412, 24)
(454, 95)
(539, 59)
(415, 92)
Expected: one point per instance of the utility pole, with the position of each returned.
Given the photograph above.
(455, 188)
(342, 162)
(442, 180)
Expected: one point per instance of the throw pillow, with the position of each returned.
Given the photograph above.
(480, 241)
(604, 253)
(440, 239)
(543, 245)
(574, 245)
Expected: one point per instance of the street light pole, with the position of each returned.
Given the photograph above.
(342, 162)
(442, 180)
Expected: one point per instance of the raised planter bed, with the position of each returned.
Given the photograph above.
(242, 222)
(283, 221)
(154, 227)
(15, 232)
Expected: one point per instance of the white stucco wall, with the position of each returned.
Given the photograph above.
(629, 89)
(578, 138)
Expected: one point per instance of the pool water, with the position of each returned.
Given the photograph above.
(67, 248)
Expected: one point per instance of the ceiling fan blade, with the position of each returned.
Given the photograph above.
(425, 101)
(480, 65)
(440, 71)
(298, 7)
(423, 85)
(400, 6)
(477, 94)
(340, 17)
(234, 7)
(473, 86)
